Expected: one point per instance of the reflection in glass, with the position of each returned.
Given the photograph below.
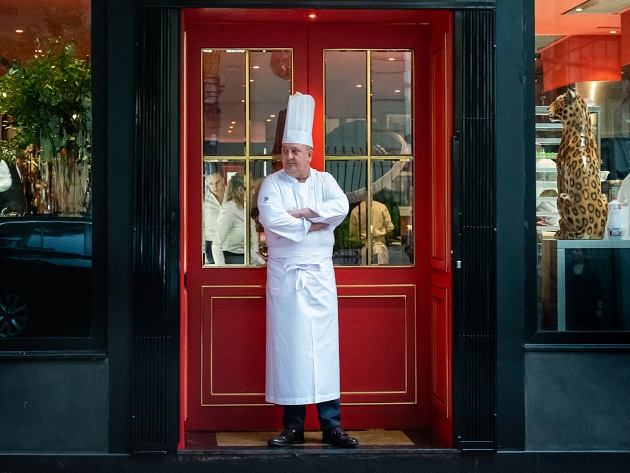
(223, 102)
(392, 201)
(391, 102)
(593, 293)
(346, 104)
(45, 280)
(270, 87)
(258, 170)
(352, 178)
(225, 225)
(214, 184)
(383, 236)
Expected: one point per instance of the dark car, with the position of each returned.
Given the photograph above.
(45, 277)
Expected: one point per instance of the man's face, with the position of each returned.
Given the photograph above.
(296, 160)
(215, 184)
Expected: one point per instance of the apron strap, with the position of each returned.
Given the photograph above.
(303, 271)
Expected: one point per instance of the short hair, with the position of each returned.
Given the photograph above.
(210, 168)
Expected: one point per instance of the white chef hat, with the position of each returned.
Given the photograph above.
(298, 126)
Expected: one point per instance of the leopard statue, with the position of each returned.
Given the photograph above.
(581, 204)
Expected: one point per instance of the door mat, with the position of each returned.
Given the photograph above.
(376, 437)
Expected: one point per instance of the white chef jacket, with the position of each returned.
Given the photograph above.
(302, 328)
(230, 234)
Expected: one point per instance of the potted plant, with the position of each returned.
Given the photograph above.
(48, 100)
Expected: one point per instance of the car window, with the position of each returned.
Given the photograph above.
(12, 233)
(64, 237)
(34, 240)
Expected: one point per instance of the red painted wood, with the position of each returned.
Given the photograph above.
(385, 313)
(441, 244)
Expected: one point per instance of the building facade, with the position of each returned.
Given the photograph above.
(480, 374)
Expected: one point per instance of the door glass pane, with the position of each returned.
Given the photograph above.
(379, 226)
(352, 178)
(270, 86)
(346, 104)
(226, 223)
(245, 93)
(391, 223)
(391, 102)
(258, 170)
(224, 95)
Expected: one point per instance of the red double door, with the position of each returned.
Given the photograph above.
(394, 321)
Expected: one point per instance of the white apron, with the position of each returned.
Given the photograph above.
(302, 329)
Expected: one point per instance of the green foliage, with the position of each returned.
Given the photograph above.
(49, 100)
(9, 150)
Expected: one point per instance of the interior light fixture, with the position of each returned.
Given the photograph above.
(359, 86)
(599, 7)
(312, 16)
(19, 31)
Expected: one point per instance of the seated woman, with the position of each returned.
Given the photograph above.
(228, 246)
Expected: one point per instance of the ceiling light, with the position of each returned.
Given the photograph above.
(19, 31)
(397, 91)
(359, 86)
(312, 16)
(599, 7)
(613, 31)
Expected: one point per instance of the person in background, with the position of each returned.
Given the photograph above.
(214, 190)
(228, 246)
(299, 209)
(382, 229)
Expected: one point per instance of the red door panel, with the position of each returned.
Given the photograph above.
(385, 314)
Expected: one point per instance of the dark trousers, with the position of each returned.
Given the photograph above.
(328, 413)
(209, 258)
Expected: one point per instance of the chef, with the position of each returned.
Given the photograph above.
(300, 208)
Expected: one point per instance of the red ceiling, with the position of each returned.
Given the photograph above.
(551, 21)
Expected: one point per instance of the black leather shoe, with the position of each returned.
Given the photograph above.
(338, 437)
(286, 438)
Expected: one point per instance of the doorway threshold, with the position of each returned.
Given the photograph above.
(372, 441)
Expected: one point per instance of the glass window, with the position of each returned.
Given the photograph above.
(368, 117)
(45, 166)
(245, 94)
(582, 189)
